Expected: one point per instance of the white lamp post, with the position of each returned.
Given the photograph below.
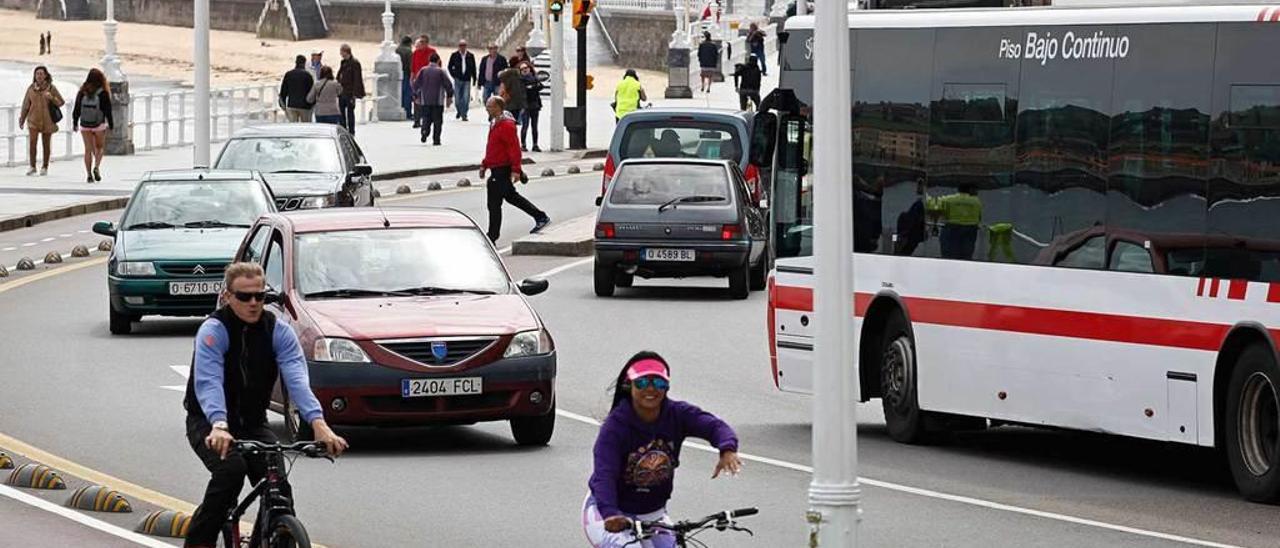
(388, 40)
(110, 62)
(834, 494)
(389, 67)
(537, 37)
(201, 58)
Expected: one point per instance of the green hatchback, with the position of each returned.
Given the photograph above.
(175, 239)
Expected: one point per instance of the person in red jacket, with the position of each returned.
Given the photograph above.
(422, 52)
(502, 161)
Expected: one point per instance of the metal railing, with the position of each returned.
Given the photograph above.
(518, 18)
(166, 119)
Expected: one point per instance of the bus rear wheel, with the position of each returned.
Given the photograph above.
(1252, 421)
(902, 414)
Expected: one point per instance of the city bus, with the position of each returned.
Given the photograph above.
(1063, 217)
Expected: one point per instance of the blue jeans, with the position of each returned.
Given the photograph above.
(406, 98)
(462, 96)
(759, 52)
(335, 119)
(489, 89)
(348, 107)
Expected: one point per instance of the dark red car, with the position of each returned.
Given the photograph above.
(406, 317)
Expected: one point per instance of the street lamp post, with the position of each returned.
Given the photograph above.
(200, 55)
(120, 140)
(388, 65)
(834, 494)
(537, 37)
(678, 56)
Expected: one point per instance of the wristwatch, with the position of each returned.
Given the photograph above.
(220, 425)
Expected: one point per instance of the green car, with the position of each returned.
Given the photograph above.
(175, 239)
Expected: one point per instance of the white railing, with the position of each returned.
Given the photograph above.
(517, 19)
(666, 5)
(166, 119)
(395, 2)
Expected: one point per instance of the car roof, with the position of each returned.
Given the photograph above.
(360, 218)
(658, 113)
(704, 161)
(289, 130)
(200, 175)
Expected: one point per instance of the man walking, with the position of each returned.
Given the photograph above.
(294, 88)
(48, 43)
(317, 62)
(502, 157)
(462, 68)
(491, 66)
(351, 81)
(422, 52)
(241, 351)
(405, 51)
(755, 45)
(746, 77)
(432, 91)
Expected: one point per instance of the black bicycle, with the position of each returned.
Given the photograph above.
(684, 531)
(276, 526)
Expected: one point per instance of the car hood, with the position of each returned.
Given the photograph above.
(179, 244)
(408, 317)
(302, 184)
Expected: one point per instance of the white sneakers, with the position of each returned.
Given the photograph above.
(31, 172)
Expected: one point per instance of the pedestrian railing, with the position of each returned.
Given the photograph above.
(518, 18)
(166, 119)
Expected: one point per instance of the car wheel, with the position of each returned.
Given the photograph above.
(1252, 418)
(760, 273)
(531, 431)
(623, 279)
(604, 279)
(298, 429)
(121, 324)
(739, 281)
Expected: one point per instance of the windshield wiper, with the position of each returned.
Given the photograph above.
(298, 171)
(214, 223)
(355, 292)
(149, 224)
(434, 290)
(690, 199)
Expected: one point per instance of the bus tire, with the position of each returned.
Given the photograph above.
(906, 422)
(1252, 424)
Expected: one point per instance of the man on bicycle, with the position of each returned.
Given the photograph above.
(240, 351)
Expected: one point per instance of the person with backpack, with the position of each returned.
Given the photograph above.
(92, 118)
(41, 111)
(326, 96)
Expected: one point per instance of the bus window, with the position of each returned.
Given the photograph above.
(792, 202)
(1090, 254)
(1130, 257)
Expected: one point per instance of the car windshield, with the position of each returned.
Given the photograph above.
(195, 204)
(282, 155)
(407, 261)
(658, 184)
(681, 138)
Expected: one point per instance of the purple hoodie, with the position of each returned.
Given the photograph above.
(635, 461)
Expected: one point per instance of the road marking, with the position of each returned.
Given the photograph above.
(50, 239)
(64, 235)
(9, 249)
(10, 286)
(29, 244)
(83, 519)
(85, 231)
(907, 488)
(505, 250)
(183, 371)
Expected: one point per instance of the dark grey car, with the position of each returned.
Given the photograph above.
(307, 165)
(676, 218)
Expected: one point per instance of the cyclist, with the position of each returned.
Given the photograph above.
(240, 351)
(638, 450)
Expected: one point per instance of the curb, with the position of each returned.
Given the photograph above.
(31, 219)
(573, 238)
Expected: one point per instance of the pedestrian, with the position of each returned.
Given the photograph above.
(628, 94)
(42, 44)
(295, 92)
(48, 43)
(521, 56)
(351, 78)
(708, 60)
(511, 88)
(92, 117)
(241, 352)
(405, 51)
(41, 111)
(502, 159)
(432, 91)
(746, 78)
(326, 95)
(491, 66)
(317, 61)
(533, 105)
(462, 68)
(755, 45)
(422, 53)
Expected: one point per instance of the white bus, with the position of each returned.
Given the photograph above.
(1064, 217)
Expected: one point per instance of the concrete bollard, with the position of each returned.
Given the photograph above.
(53, 257)
(464, 182)
(106, 245)
(598, 166)
(574, 170)
(80, 251)
(377, 193)
(548, 172)
(4, 272)
(403, 189)
(434, 185)
(26, 263)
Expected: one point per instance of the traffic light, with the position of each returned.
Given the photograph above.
(581, 11)
(555, 7)
(591, 82)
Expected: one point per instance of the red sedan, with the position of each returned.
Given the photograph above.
(406, 317)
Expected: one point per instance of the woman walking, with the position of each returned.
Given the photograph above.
(92, 118)
(324, 95)
(41, 111)
(533, 105)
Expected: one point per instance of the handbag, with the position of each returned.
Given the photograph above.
(55, 113)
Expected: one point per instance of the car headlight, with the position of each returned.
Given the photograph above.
(125, 268)
(313, 202)
(339, 350)
(528, 343)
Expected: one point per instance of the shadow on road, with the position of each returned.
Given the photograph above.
(153, 328)
(435, 440)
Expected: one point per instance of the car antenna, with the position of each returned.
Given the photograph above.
(386, 223)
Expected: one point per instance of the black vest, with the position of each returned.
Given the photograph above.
(249, 374)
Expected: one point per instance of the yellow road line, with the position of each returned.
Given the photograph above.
(10, 286)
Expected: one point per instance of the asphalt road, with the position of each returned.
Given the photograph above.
(74, 390)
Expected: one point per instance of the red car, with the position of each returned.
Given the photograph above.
(406, 317)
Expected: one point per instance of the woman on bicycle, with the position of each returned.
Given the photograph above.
(638, 450)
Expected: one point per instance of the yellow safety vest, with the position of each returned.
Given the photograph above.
(628, 96)
(958, 209)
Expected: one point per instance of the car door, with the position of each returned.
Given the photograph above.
(361, 185)
(751, 213)
(274, 265)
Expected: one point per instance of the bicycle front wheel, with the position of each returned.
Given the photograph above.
(287, 532)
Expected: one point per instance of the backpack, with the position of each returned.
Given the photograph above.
(91, 111)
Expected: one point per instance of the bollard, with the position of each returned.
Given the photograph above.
(598, 166)
(80, 251)
(53, 257)
(98, 498)
(464, 182)
(434, 185)
(548, 172)
(164, 523)
(36, 476)
(574, 170)
(105, 245)
(4, 272)
(403, 189)
(26, 263)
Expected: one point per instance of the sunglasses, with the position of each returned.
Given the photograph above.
(245, 296)
(643, 383)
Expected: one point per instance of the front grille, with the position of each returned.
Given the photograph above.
(492, 401)
(456, 349)
(202, 270)
(185, 302)
(288, 204)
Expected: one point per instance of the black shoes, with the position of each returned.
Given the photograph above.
(96, 176)
(540, 224)
(536, 149)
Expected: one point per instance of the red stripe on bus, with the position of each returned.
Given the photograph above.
(1237, 290)
(1273, 294)
(1200, 288)
(794, 298)
(1213, 288)
(1275, 15)
(1262, 15)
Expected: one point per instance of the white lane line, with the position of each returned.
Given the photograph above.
(64, 235)
(80, 518)
(50, 239)
(182, 371)
(28, 244)
(907, 488)
(9, 249)
(85, 231)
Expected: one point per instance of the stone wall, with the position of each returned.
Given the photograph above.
(25, 5)
(237, 15)
(446, 24)
(642, 37)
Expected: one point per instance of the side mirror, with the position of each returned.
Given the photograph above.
(362, 170)
(534, 286)
(763, 204)
(273, 297)
(599, 200)
(105, 228)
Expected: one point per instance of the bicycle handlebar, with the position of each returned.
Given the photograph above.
(722, 520)
(306, 448)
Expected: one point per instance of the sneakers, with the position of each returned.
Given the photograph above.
(536, 149)
(423, 136)
(96, 175)
(540, 224)
(524, 148)
(44, 171)
(31, 172)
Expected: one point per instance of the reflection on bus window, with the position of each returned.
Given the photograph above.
(1090, 254)
(1130, 257)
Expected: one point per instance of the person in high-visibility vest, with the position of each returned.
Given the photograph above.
(628, 94)
(961, 213)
